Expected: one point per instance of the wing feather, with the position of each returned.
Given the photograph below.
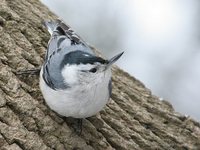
(63, 40)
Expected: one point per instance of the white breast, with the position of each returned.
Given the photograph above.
(80, 101)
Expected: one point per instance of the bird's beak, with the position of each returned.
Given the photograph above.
(113, 60)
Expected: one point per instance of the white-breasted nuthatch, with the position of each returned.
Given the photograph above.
(73, 80)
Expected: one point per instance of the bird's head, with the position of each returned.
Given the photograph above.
(79, 67)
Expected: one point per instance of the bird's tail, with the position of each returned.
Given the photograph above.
(58, 27)
(50, 25)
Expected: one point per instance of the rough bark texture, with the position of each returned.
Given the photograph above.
(134, 119)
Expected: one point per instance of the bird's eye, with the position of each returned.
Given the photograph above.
(93, 70)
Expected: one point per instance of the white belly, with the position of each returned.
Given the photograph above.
(76, 102)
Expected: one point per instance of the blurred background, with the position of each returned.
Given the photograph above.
(161, 40)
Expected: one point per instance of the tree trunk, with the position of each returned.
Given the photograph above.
(134, 119)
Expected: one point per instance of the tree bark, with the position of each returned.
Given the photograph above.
(134, 118)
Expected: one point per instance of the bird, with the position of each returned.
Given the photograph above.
(74, 81)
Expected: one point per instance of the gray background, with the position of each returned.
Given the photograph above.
(161, 40)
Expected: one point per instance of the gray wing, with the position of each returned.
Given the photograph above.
(63, 40)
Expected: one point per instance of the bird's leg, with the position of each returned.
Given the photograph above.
(79, 126)
(76, 124)
(35, 71)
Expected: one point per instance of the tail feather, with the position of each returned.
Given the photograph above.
(51, 26)
(58, 27)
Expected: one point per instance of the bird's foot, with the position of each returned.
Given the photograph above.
(76, 124)
(79, 126)
(35, 71)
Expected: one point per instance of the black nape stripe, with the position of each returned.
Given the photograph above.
(80, 57)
